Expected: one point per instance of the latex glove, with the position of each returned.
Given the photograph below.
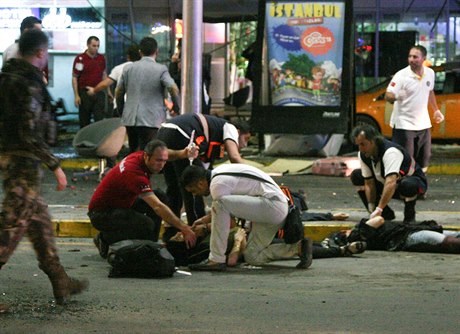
(376, 212)
(438, 117)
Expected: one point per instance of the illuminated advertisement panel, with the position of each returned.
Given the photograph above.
(305, 48)
(304, 84)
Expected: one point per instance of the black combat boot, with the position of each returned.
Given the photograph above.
(409, 212)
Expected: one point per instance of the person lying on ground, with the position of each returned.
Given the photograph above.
(426, 236)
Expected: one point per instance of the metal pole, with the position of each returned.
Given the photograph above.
(131, 18)
(377, 40)
(191, 57)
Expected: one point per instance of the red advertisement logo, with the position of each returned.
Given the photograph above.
(317, 40)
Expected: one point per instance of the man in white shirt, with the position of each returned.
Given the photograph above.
(30, 22)
(114, 76)
(411, 90)
(256, 198)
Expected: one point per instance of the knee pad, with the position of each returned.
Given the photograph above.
(357, 178)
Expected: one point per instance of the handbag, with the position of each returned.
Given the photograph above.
(292, 230)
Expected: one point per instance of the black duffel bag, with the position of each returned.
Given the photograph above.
(140, 258)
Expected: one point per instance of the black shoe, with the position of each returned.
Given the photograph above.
(388, 213)
(206, 265)
(306, 254)
(409, 212)
(102, 247)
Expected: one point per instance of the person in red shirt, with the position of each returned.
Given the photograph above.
(124, 206)
(89, 69)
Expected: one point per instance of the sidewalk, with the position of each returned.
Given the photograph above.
(72, 221)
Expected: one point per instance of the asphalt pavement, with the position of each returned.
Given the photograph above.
(375, 292)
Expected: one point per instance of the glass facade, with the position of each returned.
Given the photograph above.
(68, 25)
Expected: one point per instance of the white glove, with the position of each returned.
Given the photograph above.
(376, 212)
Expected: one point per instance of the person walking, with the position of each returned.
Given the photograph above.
(25, 110)
(144, 83)
(28, 23)
(132, 55)
(411, 90)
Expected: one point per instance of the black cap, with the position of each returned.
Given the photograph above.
(29, 22)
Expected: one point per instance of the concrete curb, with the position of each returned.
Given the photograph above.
(317, 231)
(436, 168)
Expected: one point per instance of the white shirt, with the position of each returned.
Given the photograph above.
(115, 75)
(237, 185)
(392, 160)
(11, 52)
(411, 113)
(116, 72)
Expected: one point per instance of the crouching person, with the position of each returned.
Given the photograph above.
(248, 193)
(124, 205)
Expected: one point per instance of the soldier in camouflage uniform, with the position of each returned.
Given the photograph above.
(25, 113)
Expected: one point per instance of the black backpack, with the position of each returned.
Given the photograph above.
(140, 258)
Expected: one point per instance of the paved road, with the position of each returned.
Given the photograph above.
(323, 194)
(377, 292)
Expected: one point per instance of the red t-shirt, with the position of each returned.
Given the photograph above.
(123, 184)
(88, 70)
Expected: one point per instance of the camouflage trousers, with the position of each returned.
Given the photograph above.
(25, 213)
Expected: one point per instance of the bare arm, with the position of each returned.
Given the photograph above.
(77, 99)
(390, 97)
(190, 151)
(371, 193)
(107, 82)
(438, 117)
(175, 97)
(60, 178)
(233, 151)
(389, 189)
(168, 216)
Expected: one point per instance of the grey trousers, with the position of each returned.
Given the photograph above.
(266, 217)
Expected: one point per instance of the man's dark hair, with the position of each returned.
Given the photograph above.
(242, 125)
(29, 23)
(421, 48)
(192, 174)
(153, 145)
(31, 41)
(133, 52)
(148, 46)
(90, 38)
(369, 132)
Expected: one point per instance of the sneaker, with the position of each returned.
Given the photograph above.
(102, 247)
(207, 265)
(306, 254)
